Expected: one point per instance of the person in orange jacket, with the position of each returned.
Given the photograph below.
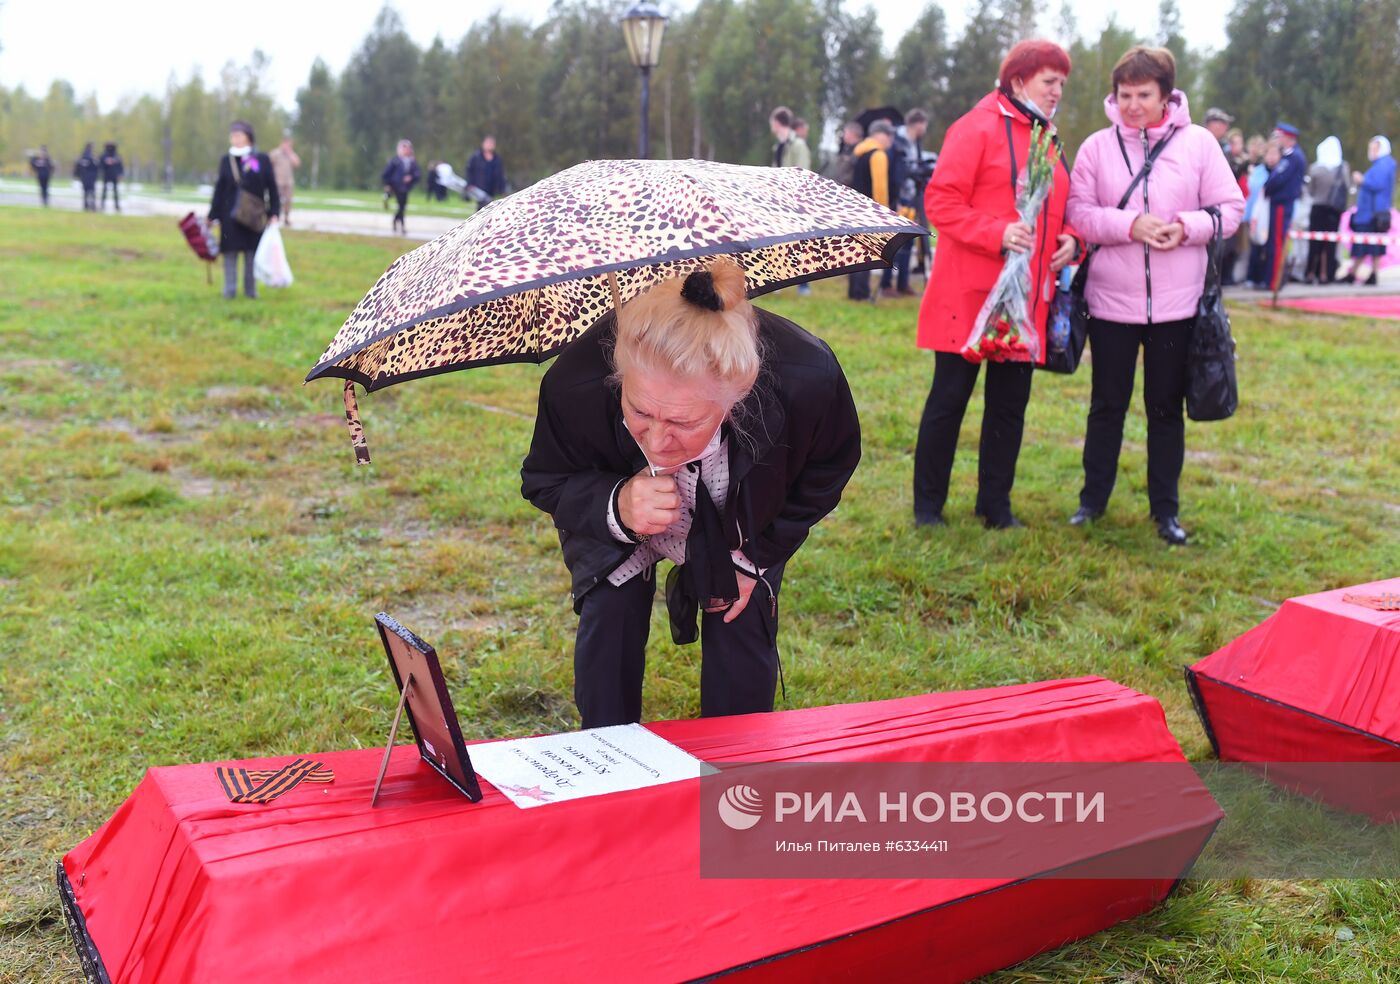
(871, 176)
(971, 203)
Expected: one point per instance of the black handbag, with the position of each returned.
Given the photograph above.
(1212, 390)
(1071, 305)
(1068, 326)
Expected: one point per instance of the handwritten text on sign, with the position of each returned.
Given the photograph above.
(555, 768)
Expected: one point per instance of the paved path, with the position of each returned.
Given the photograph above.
(1388, 282)
(352, 223)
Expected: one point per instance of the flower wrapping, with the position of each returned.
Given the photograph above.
(1003, 331)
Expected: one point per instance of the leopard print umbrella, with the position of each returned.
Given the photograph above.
(527, 274)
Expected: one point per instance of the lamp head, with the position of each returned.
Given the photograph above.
(643, 27)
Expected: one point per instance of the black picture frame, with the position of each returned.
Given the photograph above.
(428, 705)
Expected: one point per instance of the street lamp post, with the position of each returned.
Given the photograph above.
(643, 26)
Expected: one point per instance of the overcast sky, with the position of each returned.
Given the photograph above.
(131, 47)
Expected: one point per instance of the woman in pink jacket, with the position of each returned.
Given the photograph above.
(1148, 271)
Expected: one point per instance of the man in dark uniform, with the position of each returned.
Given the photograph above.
(1284, 187)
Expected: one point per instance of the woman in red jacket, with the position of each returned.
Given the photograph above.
(971, 202)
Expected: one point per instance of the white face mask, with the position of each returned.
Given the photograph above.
(240, 151)
(1030, 104)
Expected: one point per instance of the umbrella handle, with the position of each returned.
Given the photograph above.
(357, 430)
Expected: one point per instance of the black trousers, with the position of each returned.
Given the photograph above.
(1322, 257)
(1115, 352)
(89, 198)
(738, 661)
(1280, 221)
(900, 269)
(44, 188)
(116, 198)
(1008, 391)
(858, 286)
(1229, 259)
(402, 198)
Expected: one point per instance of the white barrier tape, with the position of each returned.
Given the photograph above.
(1365, 238)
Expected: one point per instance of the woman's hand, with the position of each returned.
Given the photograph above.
(1357, 177)
(746, 586)
(1017, 238)
(648, 504)
(1147, 228)
(1173, 234)
(1064, 252)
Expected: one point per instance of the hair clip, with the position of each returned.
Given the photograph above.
(699, 289)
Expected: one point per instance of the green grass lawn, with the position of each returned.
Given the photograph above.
(189, 559)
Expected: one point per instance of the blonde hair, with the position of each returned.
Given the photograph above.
(674, 328)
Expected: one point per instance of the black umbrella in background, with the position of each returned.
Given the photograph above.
(869, 116)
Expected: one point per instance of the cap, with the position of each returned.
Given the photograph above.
(1216, 113)
(1287, 128)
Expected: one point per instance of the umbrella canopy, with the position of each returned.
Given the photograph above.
(527, 274)
(890, 113)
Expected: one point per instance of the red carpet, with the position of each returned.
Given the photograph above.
(1377, 306)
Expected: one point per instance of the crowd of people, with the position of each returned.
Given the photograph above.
(1285, 194)
(882, 157)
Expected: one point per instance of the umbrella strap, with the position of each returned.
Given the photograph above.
(616, 294)
(357, 430)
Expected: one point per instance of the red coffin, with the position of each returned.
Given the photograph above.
(182, 885)
(1316, 682)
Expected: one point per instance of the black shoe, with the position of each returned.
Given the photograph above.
(1348, 279)
(929, 519)
(1084, 515)
(1371, 280)
(1004, 522)
(1170, 530)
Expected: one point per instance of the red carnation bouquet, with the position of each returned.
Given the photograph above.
(1003, 331)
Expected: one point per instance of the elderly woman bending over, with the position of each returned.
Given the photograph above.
(695, 428)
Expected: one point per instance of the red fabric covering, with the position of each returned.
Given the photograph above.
(1317, 681)
(1374, 306)
(182, 885)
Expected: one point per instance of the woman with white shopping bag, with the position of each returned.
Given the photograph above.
(245, 204)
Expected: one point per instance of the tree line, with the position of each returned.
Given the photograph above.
(564, 91)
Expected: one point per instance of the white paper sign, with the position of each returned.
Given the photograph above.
(556, 768)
